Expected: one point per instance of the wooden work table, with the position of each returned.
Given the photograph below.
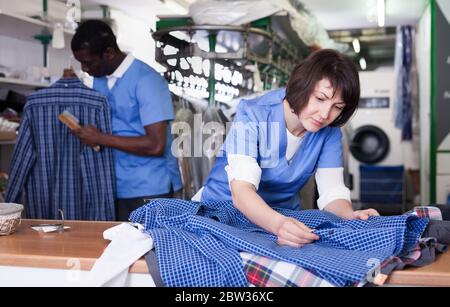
(435, 274)
(84, 242)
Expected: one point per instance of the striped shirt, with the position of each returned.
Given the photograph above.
(52, 166)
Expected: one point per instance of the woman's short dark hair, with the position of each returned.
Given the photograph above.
(337, 68)
(94, 35)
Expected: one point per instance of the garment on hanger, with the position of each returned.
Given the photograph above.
(212, 118)
(403, 64)
(205, 139)
(52, 166)
(182, 126)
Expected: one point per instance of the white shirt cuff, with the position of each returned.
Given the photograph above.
(244, 168)
(330, 184)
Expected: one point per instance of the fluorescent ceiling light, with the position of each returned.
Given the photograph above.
(356, 45)
(381, 11)
(363, 63)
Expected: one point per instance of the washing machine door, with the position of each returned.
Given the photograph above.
(369, 144)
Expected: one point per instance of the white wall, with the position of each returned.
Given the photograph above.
(134, 36)
(424, 67)
(56, 10)
(24, 56)
(18, 55)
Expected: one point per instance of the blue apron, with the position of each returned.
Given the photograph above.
(265, 140)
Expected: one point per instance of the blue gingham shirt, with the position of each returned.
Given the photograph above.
(51, 165)
(198, 243)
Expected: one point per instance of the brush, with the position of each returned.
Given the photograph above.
(73, 123)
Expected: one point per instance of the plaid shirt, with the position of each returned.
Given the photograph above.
(266, 272)
(433, 213)
(198, 244)
(410, 257)
(56, 170)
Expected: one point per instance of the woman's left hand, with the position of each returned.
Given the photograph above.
(364, 214)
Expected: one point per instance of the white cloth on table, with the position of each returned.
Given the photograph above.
(128, 245)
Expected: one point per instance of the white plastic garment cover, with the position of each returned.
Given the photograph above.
(128, 244)
(240, 12)
(233, 13)
(309, 29)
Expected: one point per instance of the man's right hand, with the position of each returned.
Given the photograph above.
(294, 233)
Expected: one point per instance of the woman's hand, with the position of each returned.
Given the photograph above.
(364, 214)
(294, 233)
(343, 209)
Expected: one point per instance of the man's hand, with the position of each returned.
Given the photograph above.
(88, 135)
(364, 214)
(294, 233)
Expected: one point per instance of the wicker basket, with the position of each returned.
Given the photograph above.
(10, 217)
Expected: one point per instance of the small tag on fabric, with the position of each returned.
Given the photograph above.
(380, 279)
(49, 228)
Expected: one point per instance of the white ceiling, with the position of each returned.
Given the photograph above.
(332, 14)
(350, 14)
(143, 8)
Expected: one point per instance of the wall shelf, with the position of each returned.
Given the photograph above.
(13, 81)
(25, 28)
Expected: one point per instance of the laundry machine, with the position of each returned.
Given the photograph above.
(371, 133)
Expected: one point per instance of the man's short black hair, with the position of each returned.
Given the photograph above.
(94, 35)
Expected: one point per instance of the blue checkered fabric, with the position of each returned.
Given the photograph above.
(198, 243)
(52, 166)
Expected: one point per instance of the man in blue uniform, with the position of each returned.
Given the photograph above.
(141, 110)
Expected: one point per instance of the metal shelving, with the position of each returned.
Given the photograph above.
(25, 28)
(19, 82)
(258, 43)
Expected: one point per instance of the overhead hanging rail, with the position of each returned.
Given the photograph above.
(238, 48)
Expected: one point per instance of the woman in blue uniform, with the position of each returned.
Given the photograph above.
(279, 140)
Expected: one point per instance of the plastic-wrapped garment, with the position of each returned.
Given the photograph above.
(211, 133)
(308, 27)
(403, 63)
(234, 13)
(184, 144)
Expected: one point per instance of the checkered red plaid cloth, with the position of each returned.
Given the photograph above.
(266, 272)
(433, 213)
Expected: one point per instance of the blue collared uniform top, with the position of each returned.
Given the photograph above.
(259, 131)
(56, 170)
(139, 98)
